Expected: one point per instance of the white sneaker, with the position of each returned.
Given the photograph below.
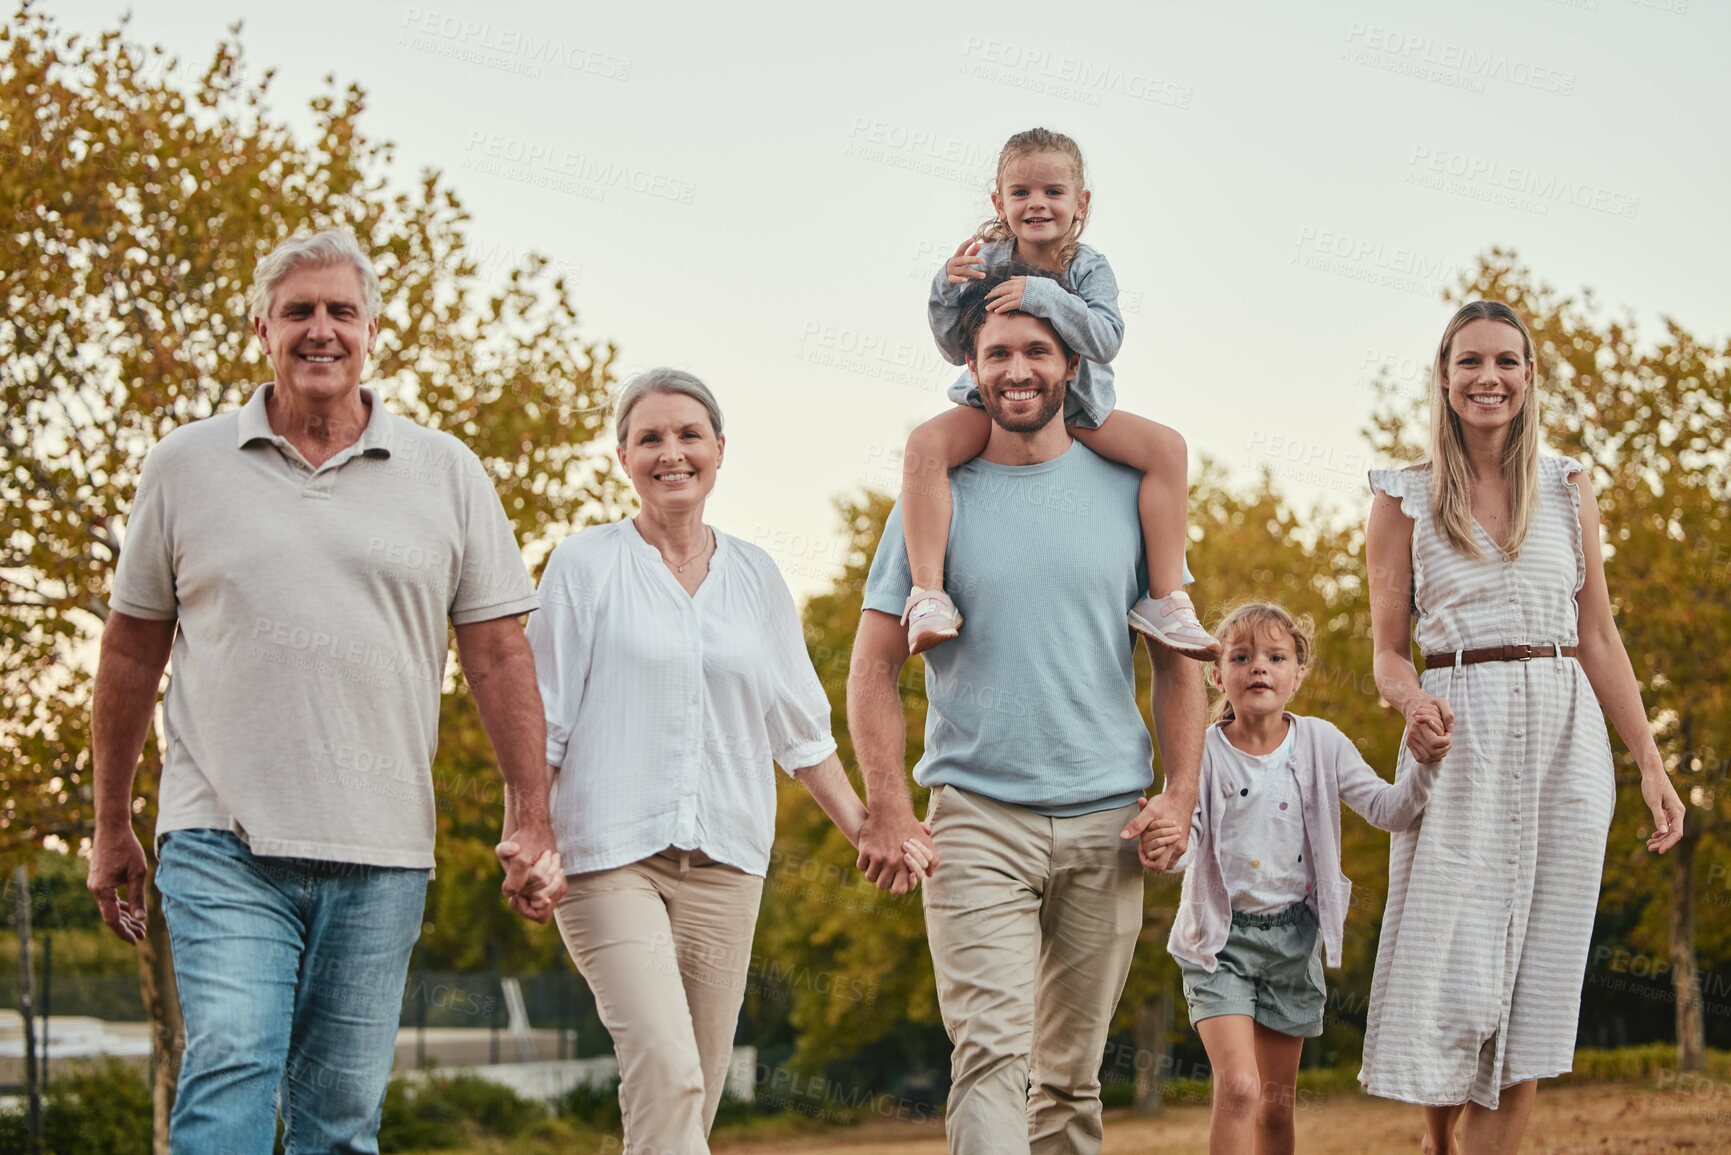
(1172, 622)
(931, 618)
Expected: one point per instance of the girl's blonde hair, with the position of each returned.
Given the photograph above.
(1036, 140)
(1451, 478)
(1254, 618)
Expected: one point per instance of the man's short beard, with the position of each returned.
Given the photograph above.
(1042, 417)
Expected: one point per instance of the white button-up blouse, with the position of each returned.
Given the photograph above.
(665, 709)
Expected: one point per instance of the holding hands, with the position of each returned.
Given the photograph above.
(1429, 722)
(1162, 830)
(535, 885)
(895, 851)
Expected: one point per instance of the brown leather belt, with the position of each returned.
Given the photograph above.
(1521, 653)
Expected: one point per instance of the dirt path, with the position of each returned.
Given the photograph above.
(1587, 1120)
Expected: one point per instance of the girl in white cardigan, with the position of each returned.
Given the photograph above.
(1264, 899)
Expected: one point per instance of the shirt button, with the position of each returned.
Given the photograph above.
(1508, 903)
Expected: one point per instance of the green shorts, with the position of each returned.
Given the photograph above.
(1269, 969)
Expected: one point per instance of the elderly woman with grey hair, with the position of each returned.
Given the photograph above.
(674, 674)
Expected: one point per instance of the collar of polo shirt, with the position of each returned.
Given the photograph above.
(255, 422)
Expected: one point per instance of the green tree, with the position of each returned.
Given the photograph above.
(874, 993)
(135, 208)
(1645, 409)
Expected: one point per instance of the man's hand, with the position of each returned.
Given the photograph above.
(117, 860)
(534, 875)
(1166, 810)
(881, 853)
(1157, 838)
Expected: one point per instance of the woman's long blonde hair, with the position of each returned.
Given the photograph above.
(1023, 144)
(1451, 477)
(1256, 617)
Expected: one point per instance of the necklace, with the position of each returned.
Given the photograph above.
(708, 542)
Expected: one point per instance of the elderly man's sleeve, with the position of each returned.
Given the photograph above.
(561, 636)
(492, 581)
(144, 585)
(797, 720)
(889, 581)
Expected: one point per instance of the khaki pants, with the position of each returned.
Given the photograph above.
(665, 944)
(1032, 922)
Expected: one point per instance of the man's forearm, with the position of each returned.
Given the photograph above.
(509, 703)
(880, 740)
(874, 718)
(1180, 708)
(128, 673)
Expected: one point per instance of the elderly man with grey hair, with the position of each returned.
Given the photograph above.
(302, 556)
(674, 675)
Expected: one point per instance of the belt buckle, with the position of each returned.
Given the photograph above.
(1527, 652)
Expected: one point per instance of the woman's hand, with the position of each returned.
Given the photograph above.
(1429, 722)
(920, 856)
(1007, 297)
(1667, 809)
(967, 265)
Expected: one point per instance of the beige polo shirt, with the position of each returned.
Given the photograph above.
(303, 705)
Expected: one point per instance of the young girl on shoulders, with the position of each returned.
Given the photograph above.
(1264, 900)
(1041, 205)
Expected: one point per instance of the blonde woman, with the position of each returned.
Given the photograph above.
(1493, 549)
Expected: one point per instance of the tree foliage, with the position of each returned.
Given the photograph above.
(136, 208)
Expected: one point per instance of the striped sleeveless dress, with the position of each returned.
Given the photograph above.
(1491, 896)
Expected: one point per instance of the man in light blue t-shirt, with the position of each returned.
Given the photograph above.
(1035, 753)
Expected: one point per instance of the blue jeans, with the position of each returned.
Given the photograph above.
(291, 978)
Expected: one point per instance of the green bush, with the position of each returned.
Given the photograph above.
(1637, 1064)
(441, 1113)
(104, 1108)
(596, 1107)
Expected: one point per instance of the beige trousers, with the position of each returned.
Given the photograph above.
(665, 944)
(1032, 922)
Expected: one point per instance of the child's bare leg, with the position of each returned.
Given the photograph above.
(1164, 499)
(1166, 616)
(1277, 1058)
(950, 439)
(1231, 1044)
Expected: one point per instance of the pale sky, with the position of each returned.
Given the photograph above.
(1281, 188)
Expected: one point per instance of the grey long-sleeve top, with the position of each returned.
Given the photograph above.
(1086, 317)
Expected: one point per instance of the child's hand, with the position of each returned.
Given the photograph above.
(1156, 848)
(1007, 297)
(967, 265)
